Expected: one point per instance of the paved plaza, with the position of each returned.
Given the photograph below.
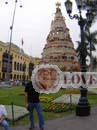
(70, 122)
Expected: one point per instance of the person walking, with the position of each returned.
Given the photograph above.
(3, 114)
(32, 101)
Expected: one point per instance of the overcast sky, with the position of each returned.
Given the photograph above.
(32, 23)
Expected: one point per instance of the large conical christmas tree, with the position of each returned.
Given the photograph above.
(59, 49)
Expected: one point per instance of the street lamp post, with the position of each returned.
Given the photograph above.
(10, 42)
(83, 106)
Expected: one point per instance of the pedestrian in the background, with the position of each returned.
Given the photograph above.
(3, 114)
(32, 101)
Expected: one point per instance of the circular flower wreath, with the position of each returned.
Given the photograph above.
(46, 78)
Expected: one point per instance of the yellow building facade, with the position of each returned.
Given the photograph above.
(21, 64)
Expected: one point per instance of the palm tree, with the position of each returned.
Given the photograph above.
(94, 64)
(90, 42)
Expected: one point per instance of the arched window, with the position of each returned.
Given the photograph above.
(20, 66)
(14, 65)
(72, 57)
(17, 66)
(24, 67)
(65, 57)
(17, 76)
(20, 76)
(14, 76)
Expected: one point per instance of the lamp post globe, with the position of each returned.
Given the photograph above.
(68, 5)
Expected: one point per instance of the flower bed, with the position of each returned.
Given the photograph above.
(57, 107)
(46, 98)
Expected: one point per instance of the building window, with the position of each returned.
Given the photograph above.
(65, 57)
(20, 67)
(62, 57)
(24, 67)
(14, 65)
(65, 46)
(17, 66)
(15, 76)
(72, 57)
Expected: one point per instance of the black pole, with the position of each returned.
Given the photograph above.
(83, 106)
(70, 101)
(12, 106)
(9, 55)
